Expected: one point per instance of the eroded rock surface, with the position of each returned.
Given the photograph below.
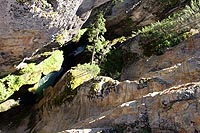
(29, 25)
(163, 100)
(177, 65)
(157, 102)
(156, 94)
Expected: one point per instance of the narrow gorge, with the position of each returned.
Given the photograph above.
(91, 66)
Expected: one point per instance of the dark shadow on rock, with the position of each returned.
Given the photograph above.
(24, 96)
(73, 51)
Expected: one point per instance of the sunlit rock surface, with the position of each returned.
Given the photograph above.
(29, 25)
(178, 65)
(159, 102)
(155, 94)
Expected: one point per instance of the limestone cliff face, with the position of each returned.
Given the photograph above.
(29, 25)
(163, 99)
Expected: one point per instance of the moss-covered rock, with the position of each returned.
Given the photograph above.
(74, 78)
(80, 74)
(30, 74)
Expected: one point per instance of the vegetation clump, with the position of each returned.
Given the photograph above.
(113, 63)
(31, 74)
(8, 85)
(80, 74)
(159, 36)
(74, 78)
(103, 53)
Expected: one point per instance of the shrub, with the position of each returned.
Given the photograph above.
(112, 64)
(159, 36)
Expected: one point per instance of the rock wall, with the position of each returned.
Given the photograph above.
(172, 66)
(28, 25)
(158, 101)
(124, 17)
(156, 94)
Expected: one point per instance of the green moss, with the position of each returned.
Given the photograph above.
(80, 74)
(53, 63)
(75, 77)
(9, 84)
(3, 92)
(31, 74)
(29, 68)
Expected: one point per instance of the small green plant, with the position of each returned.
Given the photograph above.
(79, 35)
(53, 63)
(62, 37)
(9, 84)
